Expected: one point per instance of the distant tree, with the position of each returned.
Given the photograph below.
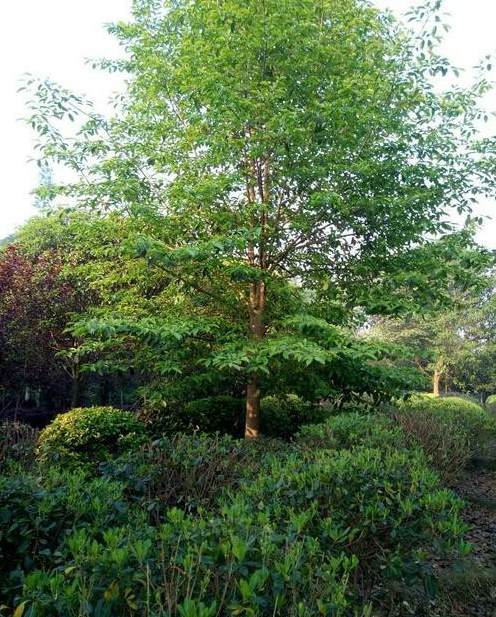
(290, 159)
(43, 192)
(453, 343)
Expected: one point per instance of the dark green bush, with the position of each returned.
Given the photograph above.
(190, 470)
(450, 430)
(306, 536)
(223, 414)
(37, 514)
(282, 416)
(354, 499)
(89, 435)
(17, 443)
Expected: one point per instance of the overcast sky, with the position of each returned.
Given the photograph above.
(52, 38)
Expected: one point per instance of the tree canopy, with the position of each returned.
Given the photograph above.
(285, 163)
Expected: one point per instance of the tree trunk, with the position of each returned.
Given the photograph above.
(75, 391)
(436, 379)
(257, 332)
(252, 423)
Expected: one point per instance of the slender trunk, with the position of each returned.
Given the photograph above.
(75, 391)
(436, 379)
(257, 332)
(252, 423)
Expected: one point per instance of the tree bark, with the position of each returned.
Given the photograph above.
(436, 379)
(252, 423)
(75, 391)
(257, 332)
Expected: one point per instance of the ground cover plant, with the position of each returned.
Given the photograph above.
(210, 525)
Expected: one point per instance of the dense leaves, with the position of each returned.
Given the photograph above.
(283, 160)
(239, 527)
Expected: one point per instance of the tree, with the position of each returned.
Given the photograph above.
(454, 340)
(36, 299)
(277, 150)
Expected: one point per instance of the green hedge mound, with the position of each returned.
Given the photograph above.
(491, 403)
(89, 435)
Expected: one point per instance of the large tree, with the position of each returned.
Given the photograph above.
(282, 148)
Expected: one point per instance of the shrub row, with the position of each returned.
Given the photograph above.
(450, 430)
(199, 525)
(292, 538)
(281, 416)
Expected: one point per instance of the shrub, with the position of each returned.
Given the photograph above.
(89, 435)
(223, 414)
(348, 430)
(450, 430)
(491, 403)
(282, 416)
(356, 499)
(39, 512)
(304, 537)
(193, 567)
(189, 470)
(17, 443)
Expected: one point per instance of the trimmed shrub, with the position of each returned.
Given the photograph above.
(39, 513)
(358, 498)
(89, 435)
(223, 414)
(282, 416)
(450, 430)
(491, 403)
(190, 470)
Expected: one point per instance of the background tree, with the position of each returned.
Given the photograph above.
(35, 302)
(295, 150)
(452, 344)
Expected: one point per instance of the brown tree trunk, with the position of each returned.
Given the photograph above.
(436, 379)
(257, 332)
(252, 423)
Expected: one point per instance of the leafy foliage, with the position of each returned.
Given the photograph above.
(353, 429)
(187, 510)
(450, 430)
(293, 162)
(491, 403)
(89, 435)
(17, 443)
(36, 299)
(284, 415)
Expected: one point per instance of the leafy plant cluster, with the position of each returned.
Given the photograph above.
(450, 430)
(202, 525)
(491, 403)
(88, 435)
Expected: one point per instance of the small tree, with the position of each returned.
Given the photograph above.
(283, 149)
(36, 300)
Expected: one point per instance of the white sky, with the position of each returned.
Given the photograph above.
(52, 38)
